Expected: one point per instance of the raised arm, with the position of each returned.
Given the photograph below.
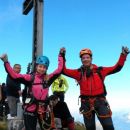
(11, 72)
(118, 66)
(59, 69)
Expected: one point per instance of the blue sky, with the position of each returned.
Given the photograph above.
(101, 25)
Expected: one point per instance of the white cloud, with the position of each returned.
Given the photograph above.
(119, 101)
(128, 118)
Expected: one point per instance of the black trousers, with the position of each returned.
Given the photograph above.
(61, 111)
(101, 109)
(106, 123)
(30, 121)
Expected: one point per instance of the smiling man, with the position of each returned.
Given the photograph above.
(92, 89)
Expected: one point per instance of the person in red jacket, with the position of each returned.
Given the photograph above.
(92, 89)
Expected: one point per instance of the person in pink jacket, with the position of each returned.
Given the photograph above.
(35, 104)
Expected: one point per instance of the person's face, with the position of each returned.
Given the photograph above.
(41, 69)
(54, 102)
(17, 68)
(86, 60)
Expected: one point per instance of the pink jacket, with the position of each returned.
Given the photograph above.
(38, 91)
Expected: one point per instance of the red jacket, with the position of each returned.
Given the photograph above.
(93, 85)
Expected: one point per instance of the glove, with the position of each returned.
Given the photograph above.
(4, 58)
(63, 52)
(125, 50)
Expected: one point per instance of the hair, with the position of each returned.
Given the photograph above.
(17, 65)
(53, 97)
(87, 54)
(3, 84)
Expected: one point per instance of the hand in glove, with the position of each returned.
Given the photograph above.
(125, 50)
(62, 52)
(4, 58)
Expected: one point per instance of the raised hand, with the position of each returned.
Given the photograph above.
(125, 50)
(63, 50)
(4, 58)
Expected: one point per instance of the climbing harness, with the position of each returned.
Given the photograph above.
(89, 104)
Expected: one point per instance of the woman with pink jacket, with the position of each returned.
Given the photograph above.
(38, 83)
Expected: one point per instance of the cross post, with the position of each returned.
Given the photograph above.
(37, 6)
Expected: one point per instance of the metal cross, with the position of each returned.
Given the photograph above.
(37, 6)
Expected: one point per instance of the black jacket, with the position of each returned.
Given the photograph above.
(13, 86)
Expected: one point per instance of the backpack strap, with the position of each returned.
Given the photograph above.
(27, 88)
(100, 75)
(81, 70)
(27, 92)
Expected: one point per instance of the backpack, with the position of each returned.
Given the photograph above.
(81, 69)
